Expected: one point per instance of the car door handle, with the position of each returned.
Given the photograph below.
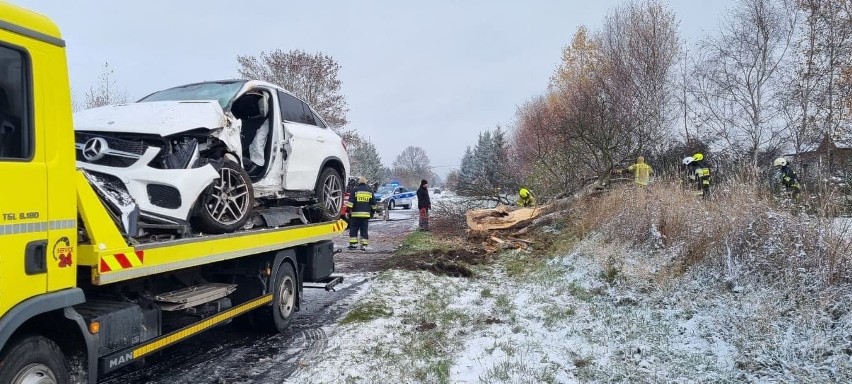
(321, 139)
(35, 257)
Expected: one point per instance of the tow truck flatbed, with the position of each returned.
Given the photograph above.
(113, 260)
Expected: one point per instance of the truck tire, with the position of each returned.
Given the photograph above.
(329, 194)
(33, 359)
(276, 318)
(227, 203)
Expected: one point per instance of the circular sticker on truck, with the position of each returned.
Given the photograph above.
(62, 252)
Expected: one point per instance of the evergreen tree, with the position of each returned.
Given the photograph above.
(484, 169)
(365, 161)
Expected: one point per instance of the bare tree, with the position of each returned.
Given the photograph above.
(311, 76)
(641, 45)
(540, 156)
(412, 165)
(105, 92)
(739, 88)
(829, 52)
(612, 94)
(801, 109)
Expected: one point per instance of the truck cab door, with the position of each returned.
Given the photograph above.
(24, 225)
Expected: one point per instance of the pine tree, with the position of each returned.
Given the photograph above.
(484, 171)
(365, 161)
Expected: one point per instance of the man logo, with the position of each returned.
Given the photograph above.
(95, 148)
(121, 360)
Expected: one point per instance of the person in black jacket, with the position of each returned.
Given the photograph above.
(362, 207)
(423, 204)
(788, 178)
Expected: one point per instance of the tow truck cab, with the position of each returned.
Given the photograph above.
(75, 291)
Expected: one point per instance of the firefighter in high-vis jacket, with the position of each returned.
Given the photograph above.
(699, 172)
(788, 178)
(362, 207)
(525, 198)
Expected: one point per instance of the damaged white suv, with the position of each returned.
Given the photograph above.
(212, 156)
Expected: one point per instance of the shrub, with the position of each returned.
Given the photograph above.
(738, 230)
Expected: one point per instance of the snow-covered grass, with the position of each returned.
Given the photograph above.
(730, 291)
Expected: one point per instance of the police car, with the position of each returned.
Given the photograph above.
(394, 195)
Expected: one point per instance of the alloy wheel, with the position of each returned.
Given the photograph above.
(229, 201)
(333, 192)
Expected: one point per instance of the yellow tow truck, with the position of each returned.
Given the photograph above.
(73, 288)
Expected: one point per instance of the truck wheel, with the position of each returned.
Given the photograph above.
(33, 359)
(329, 193)
(276, 318)
(226, 204)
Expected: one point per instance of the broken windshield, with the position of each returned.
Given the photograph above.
(222, 92)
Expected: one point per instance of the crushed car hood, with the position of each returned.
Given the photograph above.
(162, 118)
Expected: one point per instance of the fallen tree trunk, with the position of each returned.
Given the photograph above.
(502, 217)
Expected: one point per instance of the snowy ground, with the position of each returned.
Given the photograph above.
(578, 318)
(594, 314)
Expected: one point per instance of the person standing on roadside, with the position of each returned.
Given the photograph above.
(362, 207)
(424, 204)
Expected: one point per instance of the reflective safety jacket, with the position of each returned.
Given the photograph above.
(700, 173)
(788, 177)
(643, 172)
(362, 203)
(528, 201)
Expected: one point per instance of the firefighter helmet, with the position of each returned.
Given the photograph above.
(524, 192)
(687, 160)
(698, 157)
(780, 162)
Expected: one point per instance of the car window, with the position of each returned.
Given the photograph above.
(293, 109)
(15, 130)
(307, 115)
(318, 121)
(384, 191)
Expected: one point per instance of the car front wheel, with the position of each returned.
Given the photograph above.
(329, 193)
(226, 204)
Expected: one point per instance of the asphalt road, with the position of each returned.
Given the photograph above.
(229, 355)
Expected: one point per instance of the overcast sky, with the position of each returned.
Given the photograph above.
(430, 73)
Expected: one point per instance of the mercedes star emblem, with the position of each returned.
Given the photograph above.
(95, 148)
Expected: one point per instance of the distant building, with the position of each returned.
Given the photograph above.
(829, 158)
(826, 168)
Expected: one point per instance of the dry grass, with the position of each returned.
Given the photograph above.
(738, 230)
